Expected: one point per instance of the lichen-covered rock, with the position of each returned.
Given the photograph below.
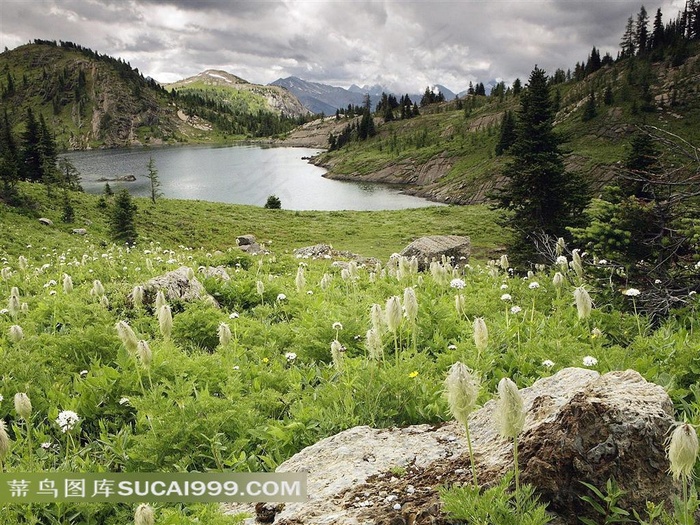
(178, 285)
(580, 426)
(434, 247)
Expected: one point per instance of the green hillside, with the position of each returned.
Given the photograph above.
(448, 152)
(91, 100)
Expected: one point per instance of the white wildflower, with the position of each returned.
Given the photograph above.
(589, 360)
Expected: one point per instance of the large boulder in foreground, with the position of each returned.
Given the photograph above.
(580, 426)
(435, 247)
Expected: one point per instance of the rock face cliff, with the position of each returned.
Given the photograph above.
(580, 426)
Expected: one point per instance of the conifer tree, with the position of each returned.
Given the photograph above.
(32, 169)
(539, 196)
(122, 220)
(507, 135)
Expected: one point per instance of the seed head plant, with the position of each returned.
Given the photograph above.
(160, 300)
(67, 283)
(224, 333)
(300, 280)
(481, 335)
(144, 353)
(137, 296)
(462, 391)
(127, 336)
(144, 515)
(4, 444)
(98, 290)
(23, 406)
(510, 418)
(165, 321)
(16, 334)
(682, 454)
(584, 305)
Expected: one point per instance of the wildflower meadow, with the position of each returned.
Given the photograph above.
(286, 351)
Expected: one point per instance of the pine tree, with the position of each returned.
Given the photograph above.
(628, 40)
(122, 220)
(507, 134)
(32, 169)
(657, 36)
(9, 157)
(154, 181)
(589, 111)
(538, 196)
(642, 31)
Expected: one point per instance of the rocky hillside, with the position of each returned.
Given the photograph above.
(88, 99)
(241, 94)
(91, 100)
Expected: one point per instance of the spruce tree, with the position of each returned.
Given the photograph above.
(32, 168)
(122, 220)
(507, 134)
(538, 197)
(153, 179)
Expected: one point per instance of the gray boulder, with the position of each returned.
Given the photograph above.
(178, 285)
(434, 247)
(580, 426)
(45, 221)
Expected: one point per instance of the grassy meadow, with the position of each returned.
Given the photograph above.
(245, 383)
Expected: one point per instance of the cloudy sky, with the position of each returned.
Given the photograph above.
(403, 45)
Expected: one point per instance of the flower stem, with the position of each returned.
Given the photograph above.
(471, 456)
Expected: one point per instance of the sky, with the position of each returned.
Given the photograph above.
(404, 46)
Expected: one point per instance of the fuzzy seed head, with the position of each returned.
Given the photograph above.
(300, 280)
(4, 441)
(13, 305)
(224, 333)
(462, 391)
(144, 515)
(144, 352)
(558, 280)
(67, 283)
(137, 296)
(352, 270)
(584, 305)
(481, 334)
(561, 246)
(160, 300)
(22, 262)
(165, 321)
(104, 301)
(326, 281)
(503, 262)
(377, 318)
(460, 304)
(260, 287)
(683, 451)
(410, 304)
(16, 334)
(23, 406)
(127, 336)
(510, 410)
(393, 313)
(373, 341)
(98, 289)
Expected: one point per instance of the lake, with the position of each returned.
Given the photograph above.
(242, 174)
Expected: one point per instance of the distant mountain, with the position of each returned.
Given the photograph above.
(326, 99)
(320, 98)
(241, 94)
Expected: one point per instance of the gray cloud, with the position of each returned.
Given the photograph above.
(405, 45)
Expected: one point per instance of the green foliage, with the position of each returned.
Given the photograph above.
(605, 504)
(123, 218)
(538, 197)
(495, 505)
(273, 203)
(153, 180)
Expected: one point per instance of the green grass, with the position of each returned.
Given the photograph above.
(214, 226)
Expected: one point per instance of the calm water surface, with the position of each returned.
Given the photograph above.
(237, 175)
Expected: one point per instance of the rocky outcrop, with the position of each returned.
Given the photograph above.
(326, 251)
(178, 285)
(434, 247)
(580, 426)
(249, 244)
